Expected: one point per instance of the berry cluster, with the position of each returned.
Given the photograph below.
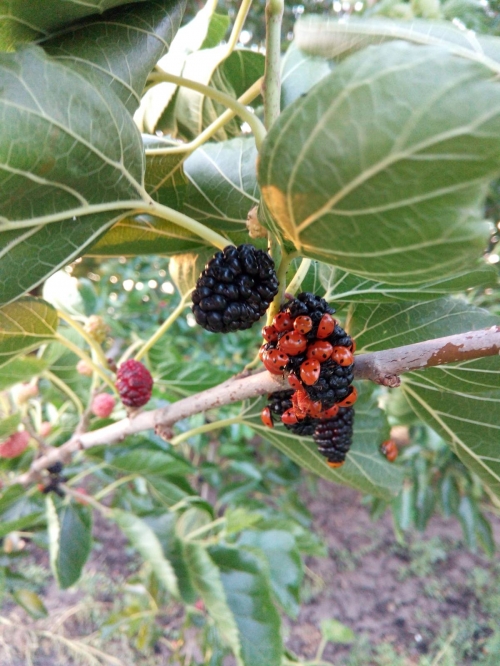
(235, 289)
(55, 478)
(305, 341)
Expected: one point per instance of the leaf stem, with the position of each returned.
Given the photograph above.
(81, 354)
(286, 260)
(238, 25)
(205, 528)
(115, 484)
(65, 389)
(248, 96)
(258, 129)
(206, 427)
(186, 222)
(164, 327)
(271, 88)
(299, 276)
(88, 339)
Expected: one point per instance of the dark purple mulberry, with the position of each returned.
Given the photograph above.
(235, 289)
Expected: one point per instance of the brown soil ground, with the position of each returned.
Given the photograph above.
(369, 582)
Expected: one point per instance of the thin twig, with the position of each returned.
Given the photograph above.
(383, 367)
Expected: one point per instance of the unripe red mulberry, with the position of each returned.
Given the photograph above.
(134, 383)
(14, 445)
(102, 405)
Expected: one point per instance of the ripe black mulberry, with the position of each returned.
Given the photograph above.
(334, 436)
(235, 289)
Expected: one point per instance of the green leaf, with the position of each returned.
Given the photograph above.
(203, 31)
(70, 540)
(299, 73)
(400, 200)
(25, 325)
(346, 287)
(31, 603)
(20, 369)
(119, 48)
(164, 528)
(146, 462)
(232, 75)
(22, 22)
(75, 157)
(222, 183)
(9, 425)
(285, 564)
(145, 541)
(29, 521)
(145, 234)
(188, 378)
(165, 179)
(460, 401)
(206, 579)
(185, 269)
(336, 632)
(249, 598)
(338, 39)
(365, 468)
(167, 490)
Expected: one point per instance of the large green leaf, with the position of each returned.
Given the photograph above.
(25, 21)
(206, 580)
(20, 370)
(365, 468)
(460, 401)
(70, 540)
(145, 541)
(346, 287)
(299, 73)
(285, 564)
(249, 598)
(165, 179)
(25, 325)
(120, 47)
(382, 168)
(222, 183)
(67, 148)
(145, 234)
(338, 39)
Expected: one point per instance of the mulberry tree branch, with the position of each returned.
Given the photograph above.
(382, 367)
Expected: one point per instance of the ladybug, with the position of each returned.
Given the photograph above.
(289, 417)
(389, 449)
(283, 322)
(300, 406)
(330, 413)
(353, 346)
(294, 382)
(269, 333)
(334, 465)
(342, 356)
(267, 417)
(292, 343)
(315, 409)
(321, 350)
(275, 361)
(303, 324)
(262, 352)
(310, 371)
(326, 326)
(349, 400)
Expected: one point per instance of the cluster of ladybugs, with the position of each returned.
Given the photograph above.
(305, 342)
